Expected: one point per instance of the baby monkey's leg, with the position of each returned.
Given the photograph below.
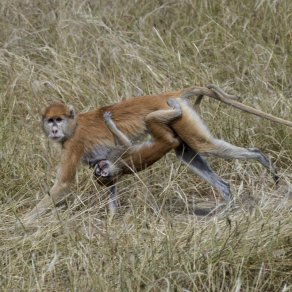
(163, 138)
(140, 156)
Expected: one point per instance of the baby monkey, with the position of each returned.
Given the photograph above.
(127, 158)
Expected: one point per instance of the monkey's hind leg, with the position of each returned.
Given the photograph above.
(192, 131)
(200, 167)
(157, 123)
(224, 149)
(163, 140)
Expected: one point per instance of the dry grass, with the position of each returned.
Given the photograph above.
(90, 53)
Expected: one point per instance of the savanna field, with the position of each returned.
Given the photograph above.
(171, 232)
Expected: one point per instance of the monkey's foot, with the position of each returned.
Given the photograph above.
(173, 103)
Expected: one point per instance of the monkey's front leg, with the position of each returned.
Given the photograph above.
(53, 197)
(65, 176)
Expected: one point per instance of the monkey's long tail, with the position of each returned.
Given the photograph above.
(222, 97)
(216, 92)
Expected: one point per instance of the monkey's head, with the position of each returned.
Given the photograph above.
(59, 121)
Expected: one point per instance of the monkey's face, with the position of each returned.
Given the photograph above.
(59, 122)
(55, 128)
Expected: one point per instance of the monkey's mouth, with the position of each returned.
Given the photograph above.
(56, 138)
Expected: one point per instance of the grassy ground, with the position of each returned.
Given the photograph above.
(91, 53)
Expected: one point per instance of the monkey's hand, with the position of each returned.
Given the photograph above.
(107, 117)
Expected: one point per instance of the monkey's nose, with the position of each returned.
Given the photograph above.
(54, 131)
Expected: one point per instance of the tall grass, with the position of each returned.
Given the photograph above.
(91, 53)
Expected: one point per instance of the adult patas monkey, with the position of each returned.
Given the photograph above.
(82, 134)
(60, 123)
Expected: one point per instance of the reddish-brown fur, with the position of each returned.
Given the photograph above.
(129, 157)
(129, 116)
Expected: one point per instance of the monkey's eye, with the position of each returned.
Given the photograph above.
(50, 121)
(58, 120)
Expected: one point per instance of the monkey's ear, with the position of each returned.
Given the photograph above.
(43, 112)
(71, 111)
